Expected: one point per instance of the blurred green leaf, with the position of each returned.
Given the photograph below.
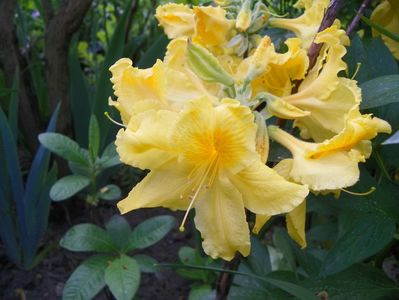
(87, 280)
(380, 91)
(110, 192)
(380, 29)
(13, 107)
(198, 292)
(150, 232)
(118, 229)
(157, 50)
(68, 186)
(189, 256)
(364, 235)
(146, 263)
(122, 277)
(358, 282)
(282, 243)
(64, 147)
(88, 237)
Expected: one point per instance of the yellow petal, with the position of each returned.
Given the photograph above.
(146, 143)
(212, 26)
(176, 19)
(386, 14)
(260, 220)
(296, 224)
(220, 217)
(167, 186)
(267, 193)
(333, 171)
(282, 109)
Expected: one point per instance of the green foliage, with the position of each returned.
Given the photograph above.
(114, 268)
(24, 207)
(85, 165)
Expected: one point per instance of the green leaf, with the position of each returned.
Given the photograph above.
(110, 192)
(380, 29)
(13, 107)
(247, 293)
(282, 243)
(146, 263)
(380, 91)
(64, 147)
(358, 282)
(157, 50)
(87, 280)
(87, 237)
(94, 137)
(198, 292)
(68, 186)
(150, 232)
(259, 260)
(123, 277)
(189, 256)
(110, 157)
(363, 235)
(118, 229)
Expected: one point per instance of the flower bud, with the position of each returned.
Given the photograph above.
(206, 66)
(243, 20)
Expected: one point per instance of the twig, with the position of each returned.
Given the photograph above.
(356, 19)
(225, 280)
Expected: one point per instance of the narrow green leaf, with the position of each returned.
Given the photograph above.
(380, 91)
(87, 237)
(157, 50)
(380, 29)
(87, 280)
(64, 147)
(94, 137)
(123, 277)
(118, 229)
(68, 186)
(110, 192)
(150, 232)
(146, 263)
(13, 107)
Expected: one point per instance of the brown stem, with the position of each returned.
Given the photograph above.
(356, 19)
(225, 280)
(12, 59)
(328, 20)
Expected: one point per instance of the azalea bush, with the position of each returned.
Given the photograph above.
(243, 127)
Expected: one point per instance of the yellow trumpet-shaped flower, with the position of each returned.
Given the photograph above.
(208, 162)
(176, 19)
(164, 86)
(386, 14)
(305, 26)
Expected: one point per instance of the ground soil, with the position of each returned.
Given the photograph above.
(46, 280)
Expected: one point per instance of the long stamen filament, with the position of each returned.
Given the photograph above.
(371, 190)
(113, 121)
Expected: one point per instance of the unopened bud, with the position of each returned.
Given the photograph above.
(262, 137)
(243, 20)
(206, 66)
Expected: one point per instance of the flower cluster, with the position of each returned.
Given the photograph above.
(197, 119)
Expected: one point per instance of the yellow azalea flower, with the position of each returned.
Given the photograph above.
(176, 19)
(305, 26)
(324, 98)
(332, 171)
(212, 26)
(209, 162)
(161, 87)
(386, 14)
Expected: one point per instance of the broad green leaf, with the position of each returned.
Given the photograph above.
(122, 277)
(87, 280)
(198, 292)
(87, 237)
(358, 282)
(94, 137)
(64, 147)
(118, 229)
(146, 263)
(189, 256)
(79, 169)
(247, 293)
(380, 91)
(259, 260)
(110, 192)
(68, 186)
(109, 158)
(364, 235)
(150, 232)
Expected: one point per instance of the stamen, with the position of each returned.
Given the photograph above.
(113, 121)
(358, 65)
(371, 190)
